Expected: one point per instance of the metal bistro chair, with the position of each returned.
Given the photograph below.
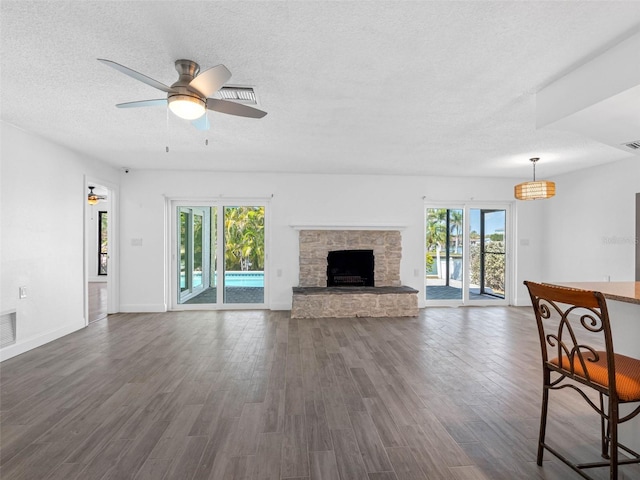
(577, 352)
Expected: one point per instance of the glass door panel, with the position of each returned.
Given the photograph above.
(487, 254)
(494, 253)
(213, 252)
(183, 252)
(198, 224)
(194, 240)
(444, 253)
(244, 254)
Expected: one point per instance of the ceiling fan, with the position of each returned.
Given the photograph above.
(92, 197)
(190, 96)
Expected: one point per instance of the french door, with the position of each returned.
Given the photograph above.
(218, 257)
(466, 254)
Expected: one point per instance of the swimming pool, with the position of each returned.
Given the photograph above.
(231, 279)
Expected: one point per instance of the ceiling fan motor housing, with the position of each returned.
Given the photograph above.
(187, 71)
(192, 103)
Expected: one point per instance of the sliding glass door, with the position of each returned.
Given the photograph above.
(466, 251)
(219, 238)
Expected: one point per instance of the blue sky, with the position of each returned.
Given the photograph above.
(494, 222)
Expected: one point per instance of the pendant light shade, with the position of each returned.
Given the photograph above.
(535, 190)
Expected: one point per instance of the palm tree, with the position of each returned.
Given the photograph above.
(436, 232)
(455, 225)
(244, 238)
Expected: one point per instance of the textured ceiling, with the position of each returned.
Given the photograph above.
(384, 87)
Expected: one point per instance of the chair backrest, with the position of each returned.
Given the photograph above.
(574, 331)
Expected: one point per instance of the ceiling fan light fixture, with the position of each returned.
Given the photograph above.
(92, 198)
(536, 189)
(186, 106)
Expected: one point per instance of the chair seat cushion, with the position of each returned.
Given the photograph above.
(627, 373)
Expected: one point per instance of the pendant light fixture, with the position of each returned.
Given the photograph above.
(535, 190)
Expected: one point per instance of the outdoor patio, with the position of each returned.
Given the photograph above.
(232, 295)
(445, 292)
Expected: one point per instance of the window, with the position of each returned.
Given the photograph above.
(103, 244)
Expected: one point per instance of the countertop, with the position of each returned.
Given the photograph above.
(621, 291)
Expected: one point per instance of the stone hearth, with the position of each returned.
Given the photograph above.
(313, 299)
(343, 302)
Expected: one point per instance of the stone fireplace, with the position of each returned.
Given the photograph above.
(315, 246)
(384, 297)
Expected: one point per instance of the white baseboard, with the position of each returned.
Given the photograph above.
(99, 279)
(280, 306)
(522, 302)
(146, 308)
(22, 346)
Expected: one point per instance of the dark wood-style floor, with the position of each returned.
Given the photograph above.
(452, 394)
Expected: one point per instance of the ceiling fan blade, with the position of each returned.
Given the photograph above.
(144, 103)
(232, 108)
(138, 76)
(211, 80)
(201, 123)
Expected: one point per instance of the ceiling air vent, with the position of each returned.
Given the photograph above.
(632, 145)
(244, 95)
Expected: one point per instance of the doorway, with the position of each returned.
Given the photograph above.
(466, 254)
(219, 255)
(100, 269)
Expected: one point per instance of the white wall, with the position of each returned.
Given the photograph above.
(589, 227)
(529, 246)
(321, 200)
(43, 196)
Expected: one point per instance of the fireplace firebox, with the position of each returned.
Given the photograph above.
(350, 268)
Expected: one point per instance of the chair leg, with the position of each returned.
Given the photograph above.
(543, 419)
(613, 442)
(604, 430)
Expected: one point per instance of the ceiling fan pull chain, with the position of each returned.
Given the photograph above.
(168, 133)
